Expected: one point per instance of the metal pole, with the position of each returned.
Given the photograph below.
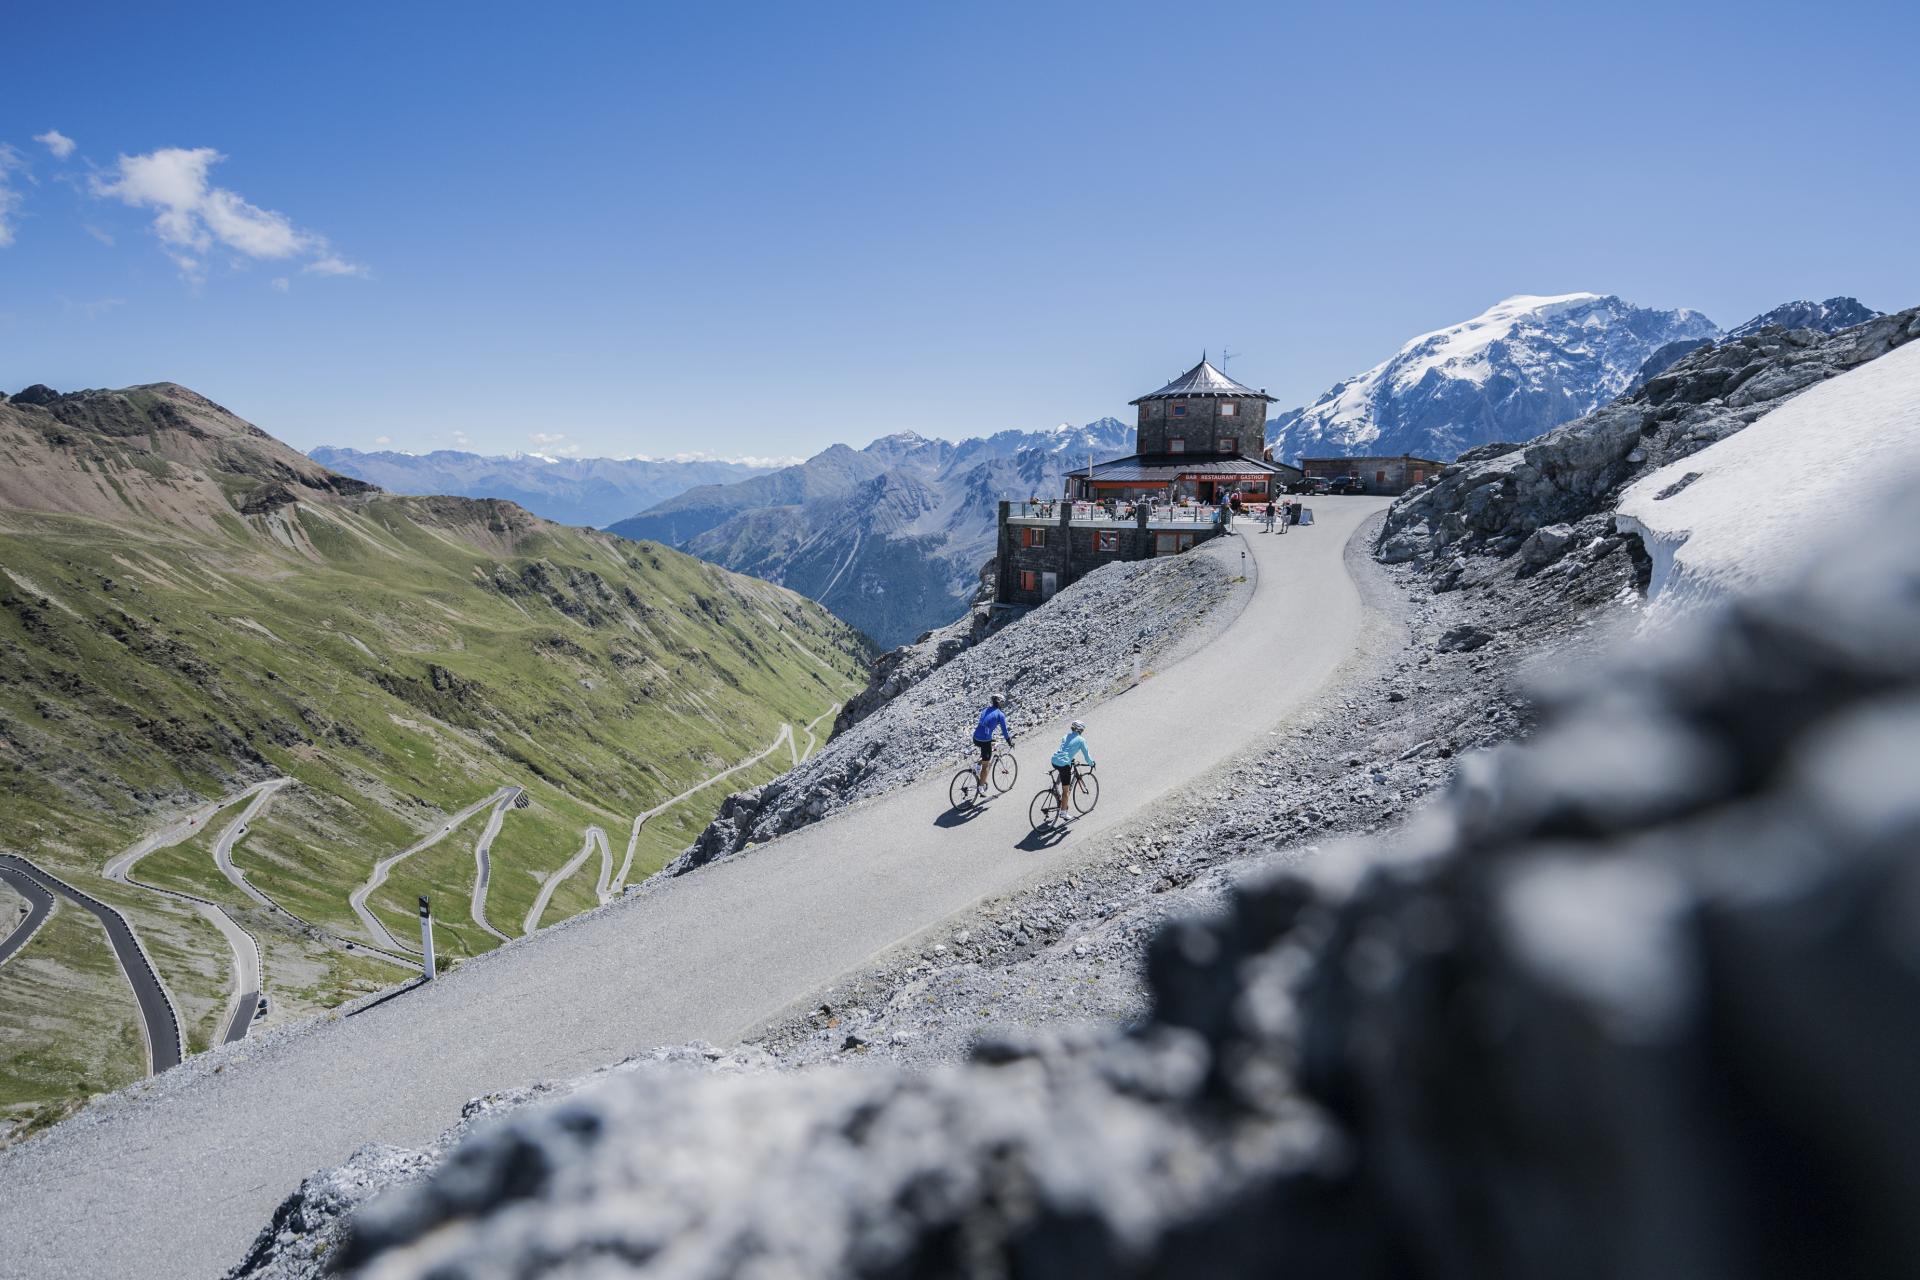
(426, 937)
(1136, 664)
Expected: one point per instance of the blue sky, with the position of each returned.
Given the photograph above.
(758, 229)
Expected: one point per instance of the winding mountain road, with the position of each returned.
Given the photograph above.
(160, 1023)
(358, 898)
(39, 907)
(633, 837)
(483, 862)
(596, 838)
(151, 1186)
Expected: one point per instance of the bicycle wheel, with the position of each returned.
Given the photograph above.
(964, 789)
(1044, 808)
(1086, 793)
(1005, 772)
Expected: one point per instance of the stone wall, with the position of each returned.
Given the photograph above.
(1070, 553)
(1202, 425)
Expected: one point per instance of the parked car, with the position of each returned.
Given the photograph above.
(1346, 484)
(1309, 484)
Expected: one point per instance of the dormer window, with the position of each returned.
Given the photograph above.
(1228, 408)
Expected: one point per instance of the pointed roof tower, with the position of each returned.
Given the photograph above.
(1202, 380)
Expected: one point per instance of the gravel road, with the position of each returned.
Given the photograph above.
(727, 949)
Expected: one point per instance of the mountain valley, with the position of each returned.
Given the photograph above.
(189, 608)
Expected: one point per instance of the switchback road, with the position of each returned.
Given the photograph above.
(151, 1185)
(159, 1018)
(39, 907)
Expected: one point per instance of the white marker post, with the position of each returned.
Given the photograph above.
(426, 937)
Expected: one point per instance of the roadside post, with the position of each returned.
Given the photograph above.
(426, 937)
(1136, 662)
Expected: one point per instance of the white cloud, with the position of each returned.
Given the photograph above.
(330, 265)
(281, 283)
(460, 438)
(383, 440)
(104, 237)
(57, 142)
(191, 215)
(10, 163)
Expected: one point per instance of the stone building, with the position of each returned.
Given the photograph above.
(1197, 439)
(1394, 475)
(1200, 436)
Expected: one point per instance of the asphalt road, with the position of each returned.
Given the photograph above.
(483, 863)
(39, 907)
(247, 968)
(152, 1185)
(358, 898)
(159, 1020)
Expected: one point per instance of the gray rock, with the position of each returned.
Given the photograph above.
(1545, 545)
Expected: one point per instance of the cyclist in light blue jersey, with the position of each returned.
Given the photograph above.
(1071, 747)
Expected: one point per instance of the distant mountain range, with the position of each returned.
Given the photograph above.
(589, 491)
(1515, 371)
(890, 537)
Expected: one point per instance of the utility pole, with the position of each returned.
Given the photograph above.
(426, 937)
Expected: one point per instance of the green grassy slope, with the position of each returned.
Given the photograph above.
(186, 607)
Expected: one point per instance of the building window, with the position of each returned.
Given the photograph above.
(1151, 409)
(1176, 444)
(1106, 540)
(1179, 410)
(1029, 580)
(1228, 444)
(1228, 409)
(1379, 477)
(1032, 537)
(1419, 474)
(1168, 544)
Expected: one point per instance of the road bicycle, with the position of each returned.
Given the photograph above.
(1001, 775)
(1083, 794)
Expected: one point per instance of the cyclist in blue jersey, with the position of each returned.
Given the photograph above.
(1071, 746)
(991, 719)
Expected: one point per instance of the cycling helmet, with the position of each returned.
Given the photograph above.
(996, 700)
(1078, 726)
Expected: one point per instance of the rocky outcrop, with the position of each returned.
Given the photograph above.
(1639, 1003)
(1830, 316)
(1572, 474)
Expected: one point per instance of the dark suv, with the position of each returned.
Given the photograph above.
(1347, 484)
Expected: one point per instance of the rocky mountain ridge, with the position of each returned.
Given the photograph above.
(1546, 497)
(889, 537)
(1524, 366)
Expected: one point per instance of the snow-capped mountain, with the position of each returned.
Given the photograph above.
(1830, 316)
(1518, 369)
(889, 537)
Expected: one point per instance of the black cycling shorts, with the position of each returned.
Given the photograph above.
(1063, 775)
(986, 749)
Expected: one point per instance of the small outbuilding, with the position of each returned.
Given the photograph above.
(1384, 475)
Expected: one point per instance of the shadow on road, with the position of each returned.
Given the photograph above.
(1044, 837)
(395, 994)
(961, 816)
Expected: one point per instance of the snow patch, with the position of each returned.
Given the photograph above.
(1798, 484)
